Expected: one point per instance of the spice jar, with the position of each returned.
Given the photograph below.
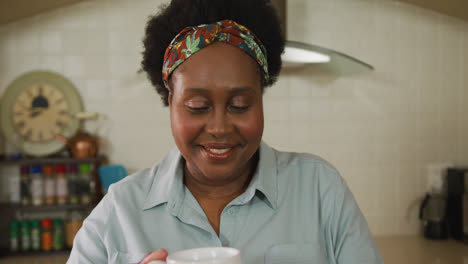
(72, 225)
(14, 236)
(61, 185)
(36, 235)
(46, 236)
(59, 235)
(25, 186)
(86, 183)
(73, 184)
(49, 184)
(25, 235)
(37, 185)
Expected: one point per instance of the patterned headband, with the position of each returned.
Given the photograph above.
(192, 39)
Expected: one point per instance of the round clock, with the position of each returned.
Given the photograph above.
(35, 108)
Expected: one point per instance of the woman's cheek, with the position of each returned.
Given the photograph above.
(185, 127)
(251, 128)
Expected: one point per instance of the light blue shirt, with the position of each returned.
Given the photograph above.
(297, 209)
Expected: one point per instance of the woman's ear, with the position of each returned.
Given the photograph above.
(169, 98)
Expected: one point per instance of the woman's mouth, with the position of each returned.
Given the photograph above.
(217, 153)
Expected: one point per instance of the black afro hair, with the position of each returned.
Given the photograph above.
(257, 15)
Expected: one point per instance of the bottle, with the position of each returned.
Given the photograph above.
(49, 184)
(37, 185)
(73, 224)
(35, 235)
(25, 185)
(46, 235)
(14, 236)
(73, 185)
(86, 183)
(14, 181)
(25, 235)
(59, 235)
(61, 185)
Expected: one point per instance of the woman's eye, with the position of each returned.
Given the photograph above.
(238, 109)
(197, 109)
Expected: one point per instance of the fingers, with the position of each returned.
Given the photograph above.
(160, 254)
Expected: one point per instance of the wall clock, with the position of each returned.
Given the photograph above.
(36, 107)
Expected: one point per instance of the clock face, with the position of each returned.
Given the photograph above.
(35, 108)
(40, 112)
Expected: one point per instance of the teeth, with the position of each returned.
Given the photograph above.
(218, 151)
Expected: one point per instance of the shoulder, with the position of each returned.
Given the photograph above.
(306, 165)
(134, 187)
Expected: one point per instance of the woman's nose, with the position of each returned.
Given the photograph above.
(219, 124)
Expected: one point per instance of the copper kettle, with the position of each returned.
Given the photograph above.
(83, 145)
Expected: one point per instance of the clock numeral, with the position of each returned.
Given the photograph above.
(23, 105)
(41, 89)
(59, 101)
(40, 135)
(28, 133)
(60, 124)
(21, 124)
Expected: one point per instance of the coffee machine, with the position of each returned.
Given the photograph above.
(457, 203)
(433, 214)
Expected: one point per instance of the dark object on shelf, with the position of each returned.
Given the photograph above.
(457, 204)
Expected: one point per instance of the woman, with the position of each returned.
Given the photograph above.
(210, 61)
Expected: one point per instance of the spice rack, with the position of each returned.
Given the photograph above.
(9, 210)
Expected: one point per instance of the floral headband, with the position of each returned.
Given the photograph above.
(192, 39)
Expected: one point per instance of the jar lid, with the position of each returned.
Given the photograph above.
(85, 168)
(35, 224)
(73, 168)
(58, 222)
(36, 169)
(47, 222)
(60, 168)
(48, 169)
(24, 224)
(24, 169)
(14, 224)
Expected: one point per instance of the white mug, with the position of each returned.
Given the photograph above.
(208, 255)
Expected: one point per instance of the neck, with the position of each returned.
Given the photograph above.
(213, 197)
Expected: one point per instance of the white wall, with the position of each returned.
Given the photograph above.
(380, 129)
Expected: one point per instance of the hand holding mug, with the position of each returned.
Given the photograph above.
(153, 257)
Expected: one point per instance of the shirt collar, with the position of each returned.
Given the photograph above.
(167, 185)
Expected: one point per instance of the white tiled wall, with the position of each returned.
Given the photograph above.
(380, 129)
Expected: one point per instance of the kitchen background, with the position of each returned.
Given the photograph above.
(381, 129)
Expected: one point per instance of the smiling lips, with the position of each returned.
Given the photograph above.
(217, 152)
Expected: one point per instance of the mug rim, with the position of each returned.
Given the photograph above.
(176, 256)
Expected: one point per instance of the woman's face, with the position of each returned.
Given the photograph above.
(217, 113)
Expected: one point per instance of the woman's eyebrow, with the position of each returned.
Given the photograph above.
(235, 90)
(238, 90)
(197, 90)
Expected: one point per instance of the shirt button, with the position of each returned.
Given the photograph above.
(230, 211)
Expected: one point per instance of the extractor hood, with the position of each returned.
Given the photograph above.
(298, 54)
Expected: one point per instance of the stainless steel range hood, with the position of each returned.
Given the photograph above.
(299, 54)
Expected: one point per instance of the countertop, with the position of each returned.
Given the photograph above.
(394, 249)
(417, 250)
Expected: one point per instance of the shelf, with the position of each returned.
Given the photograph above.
(5, 252)
(56, 207)
(49, 160)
